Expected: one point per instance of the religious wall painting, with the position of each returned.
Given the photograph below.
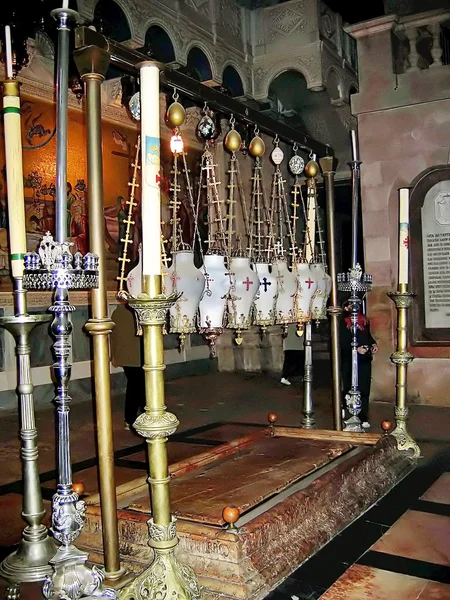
(39, 167)
(430, 256)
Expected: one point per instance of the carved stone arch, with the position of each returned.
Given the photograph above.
(216, 75)
(127, 7)
(174, 38)
(244, 81)
(336, 88)
(264, 79)
(352, 88)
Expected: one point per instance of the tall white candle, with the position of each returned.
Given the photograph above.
(151, 166)
(403, 242)
(65, 4)
(9, 64)
(355, 153)
(14, 179)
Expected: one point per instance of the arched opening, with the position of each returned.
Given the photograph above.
(351, 91)
(198, 66)
(158, 45)
(334, 86)
(232, 82)
(110, 20)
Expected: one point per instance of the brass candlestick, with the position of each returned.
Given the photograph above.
(30, 562)
(92, 64)
(165, 577)
(401, 358)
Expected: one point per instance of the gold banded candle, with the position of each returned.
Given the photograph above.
(14, 175)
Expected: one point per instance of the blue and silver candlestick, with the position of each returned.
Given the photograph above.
(357, 284)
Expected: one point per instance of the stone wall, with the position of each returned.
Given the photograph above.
(403, 124)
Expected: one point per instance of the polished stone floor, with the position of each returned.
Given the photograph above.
(397, 549)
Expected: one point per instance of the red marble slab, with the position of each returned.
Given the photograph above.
(246, 478)
(435, 591)
(367, 583)
(439, 491)
(418, 535)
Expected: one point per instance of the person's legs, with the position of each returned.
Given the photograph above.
(133, 393)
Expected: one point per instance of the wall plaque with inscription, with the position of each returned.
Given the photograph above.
(430, 256)
(436, 255)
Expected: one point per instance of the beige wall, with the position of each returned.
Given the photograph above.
(403, 129)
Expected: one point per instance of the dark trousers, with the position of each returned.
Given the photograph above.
(293, 363)
(364, 382)
(135, 393)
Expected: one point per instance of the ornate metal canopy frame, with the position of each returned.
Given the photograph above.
(125, 59)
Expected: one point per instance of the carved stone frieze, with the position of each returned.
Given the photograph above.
(308, 64)
(230, 18)
(283, 21)
(201, 6)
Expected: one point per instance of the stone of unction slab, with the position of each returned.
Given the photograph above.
(436, 255)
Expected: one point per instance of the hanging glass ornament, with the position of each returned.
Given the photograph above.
(135, 106)
(257, 146)
(296, 163)
(175, 114)
(277, 153)
(233, 140)
(206, 129)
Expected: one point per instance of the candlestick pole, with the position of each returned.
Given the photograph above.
(308, 421)
(328, 167)
(55, 268)
(401, 358)
(358, 284)
(92, 63)
(30, 562)
(166, 577)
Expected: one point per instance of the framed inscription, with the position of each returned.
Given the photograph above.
(430, 256)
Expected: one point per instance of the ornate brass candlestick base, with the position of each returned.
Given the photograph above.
(54, 268)
(401, 358)
(166, 578)
(308, 421)
(30, 562)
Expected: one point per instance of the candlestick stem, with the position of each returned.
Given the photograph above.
(30, 562)
(403, 300)
(166, 575)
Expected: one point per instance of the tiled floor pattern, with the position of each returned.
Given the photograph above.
(363, 562)
(393, 552)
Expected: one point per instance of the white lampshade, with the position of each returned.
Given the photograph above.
(185, 278)
(214, 301)
(265, 300)
(244, 287)
(287, 292)
(307, 280)
(320, 298)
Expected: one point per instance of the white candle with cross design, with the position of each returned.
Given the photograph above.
(403, 242)
(151, 166)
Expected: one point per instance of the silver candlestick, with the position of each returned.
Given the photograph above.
(55, 268)
(356, 282)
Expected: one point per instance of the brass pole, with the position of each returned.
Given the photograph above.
(401, 358)
(328, 167)
(93, 63)
(155, 425)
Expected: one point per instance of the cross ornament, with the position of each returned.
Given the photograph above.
(309, 282)
(247, 284)
(265, 283)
